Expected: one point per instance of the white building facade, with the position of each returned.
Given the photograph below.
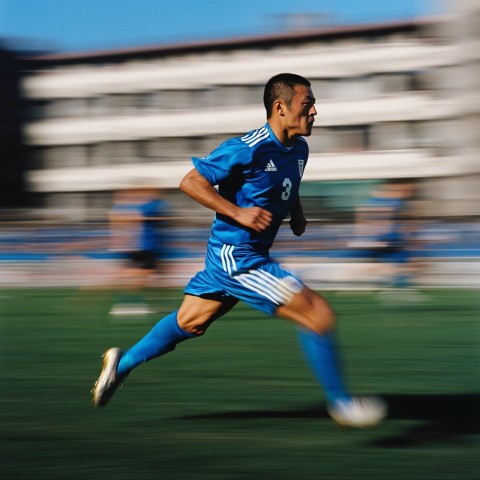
(387, 99)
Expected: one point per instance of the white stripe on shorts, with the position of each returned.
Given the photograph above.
(228, 262)
(264, 283)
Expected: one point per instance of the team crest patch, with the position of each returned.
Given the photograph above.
(301, 164)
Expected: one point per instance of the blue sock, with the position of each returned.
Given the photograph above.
(321, 353)
(161, 339)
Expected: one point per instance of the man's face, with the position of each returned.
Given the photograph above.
(300, 116)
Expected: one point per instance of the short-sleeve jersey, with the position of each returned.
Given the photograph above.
(146, 234)
(254, 170)
(384, 215)
(151, 236)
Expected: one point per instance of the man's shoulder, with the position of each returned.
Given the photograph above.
(245, 146)
(255, 137)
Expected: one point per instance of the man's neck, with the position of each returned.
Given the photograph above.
(282, 134)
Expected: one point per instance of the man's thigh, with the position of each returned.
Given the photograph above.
(197, 313)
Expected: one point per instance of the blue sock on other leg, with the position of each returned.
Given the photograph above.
(161, 339)
(321, 353)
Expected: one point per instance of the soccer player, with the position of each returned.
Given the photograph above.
(384, 230)
(258, 177)
(137, 224)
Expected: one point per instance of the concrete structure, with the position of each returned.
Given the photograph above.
(387, 107)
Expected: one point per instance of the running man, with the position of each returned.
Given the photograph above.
(258, 177)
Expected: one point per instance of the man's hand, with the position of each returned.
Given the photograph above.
(298, 224)
(256, 218)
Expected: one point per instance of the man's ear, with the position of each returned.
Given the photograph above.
(279, 107)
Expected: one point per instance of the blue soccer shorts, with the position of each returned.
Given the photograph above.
(245, 274)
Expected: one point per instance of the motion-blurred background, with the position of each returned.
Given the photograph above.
(398, 98)
(102, 104)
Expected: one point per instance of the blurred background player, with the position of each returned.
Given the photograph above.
(137, 226)
(384, 232)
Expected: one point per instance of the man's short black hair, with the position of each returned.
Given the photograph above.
(282, 86)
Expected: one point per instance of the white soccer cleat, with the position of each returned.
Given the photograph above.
(109, 380)
(358, 412)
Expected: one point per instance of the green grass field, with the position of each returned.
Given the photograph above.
(238, 403)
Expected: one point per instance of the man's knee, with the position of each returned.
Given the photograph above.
(311, 311)
(321, 315)
(327, 319)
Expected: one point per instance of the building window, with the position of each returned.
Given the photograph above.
(227, 95)
(318, 142)
(346, 88)
(66, 108)
(36, 109)
(165, 149)
(114, 104)
(62, 156)
(113, 153)
(422, 80)
(98, 106)
(392, 136)
(436, 133)
(347, 139)
(177, 99)
(393, 82)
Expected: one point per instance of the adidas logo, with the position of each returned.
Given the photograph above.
(270, 167)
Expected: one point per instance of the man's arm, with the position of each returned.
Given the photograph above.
(298, 222)
(198, 187)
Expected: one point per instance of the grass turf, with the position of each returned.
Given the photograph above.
(238, 403)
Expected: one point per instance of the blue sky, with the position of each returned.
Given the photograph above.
(84, 25)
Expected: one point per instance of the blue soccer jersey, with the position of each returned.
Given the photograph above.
(254, 170)
(385, 215)
(147, 233)
(152, 233)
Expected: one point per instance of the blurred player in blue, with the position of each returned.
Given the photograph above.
(384, 230)
(258, 177)
(137, 225)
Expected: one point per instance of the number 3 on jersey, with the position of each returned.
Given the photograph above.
(287, 184)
